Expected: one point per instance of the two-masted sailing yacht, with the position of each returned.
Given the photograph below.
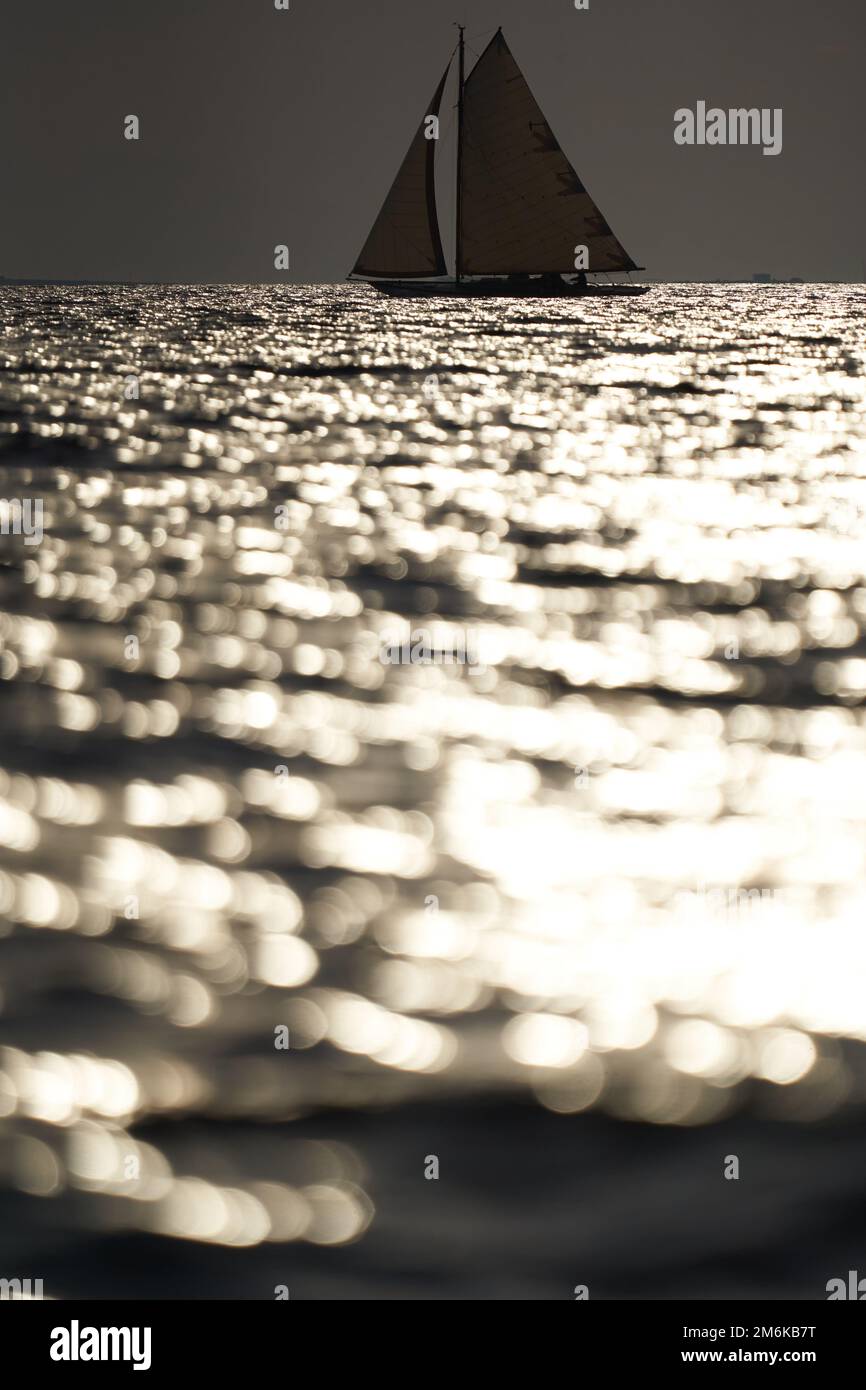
(524, 220)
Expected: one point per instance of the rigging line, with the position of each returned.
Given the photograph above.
(447, 177)
(446, 143)
(447, 184)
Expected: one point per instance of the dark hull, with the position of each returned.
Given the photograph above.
(498, 289)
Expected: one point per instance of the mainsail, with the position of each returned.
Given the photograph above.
(404, 240)
(522, 206)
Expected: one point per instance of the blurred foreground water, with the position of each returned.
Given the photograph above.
(579, 919)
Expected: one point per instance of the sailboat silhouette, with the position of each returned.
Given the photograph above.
(523, 218)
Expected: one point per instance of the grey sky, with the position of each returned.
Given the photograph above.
(260, 127)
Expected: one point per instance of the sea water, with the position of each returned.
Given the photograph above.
(285, 919)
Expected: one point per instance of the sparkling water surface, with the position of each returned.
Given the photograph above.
(610, 870)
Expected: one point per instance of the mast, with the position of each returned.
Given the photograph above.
(458, 259)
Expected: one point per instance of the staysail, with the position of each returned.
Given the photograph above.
(522, 206)
(404, 241)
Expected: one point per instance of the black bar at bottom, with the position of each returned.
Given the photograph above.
(65, 1339)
